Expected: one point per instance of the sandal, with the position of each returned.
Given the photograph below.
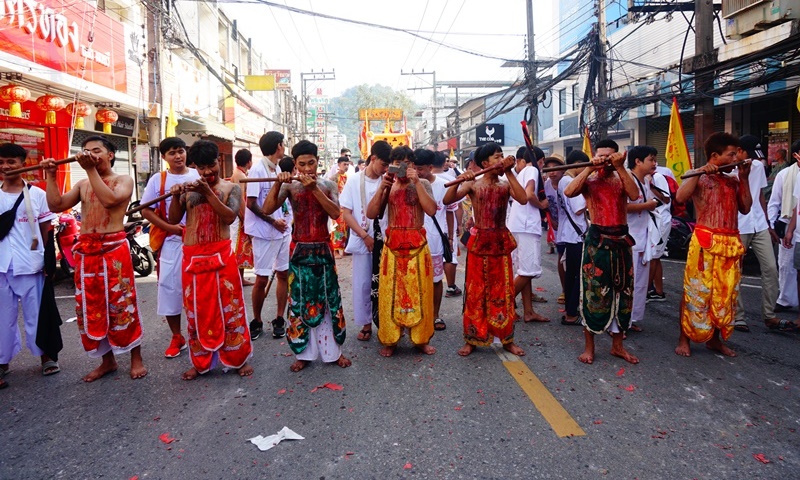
(439, 325)
(741, 326)
(364, 335)
(635, 328)
(783, 326)
(577, 321)
(50, 367)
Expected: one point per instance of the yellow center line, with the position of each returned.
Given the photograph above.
(551, 409)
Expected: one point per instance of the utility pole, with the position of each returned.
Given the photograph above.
(602, 72)
(704, 51)
(434, 138)
(308, 77)
(155, 92)
(531, 71)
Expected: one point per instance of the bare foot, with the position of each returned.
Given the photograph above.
(426, 349)
(137, 366)
(535, 317)
(104, 369)
(247, 283)
(683, 349)
(298, 365)
(635, 328)
(245, 370)
(466, 349)
(716, 345)
(343, 361)
(514, 348)
(387, 351)
(624, 354)
(586, 357)
(190, 374)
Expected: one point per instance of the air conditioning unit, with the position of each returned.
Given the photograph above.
(746, 17)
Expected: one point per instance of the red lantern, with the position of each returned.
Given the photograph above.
(78, 110)
(14, 95)
(50, 104)
(106, 117)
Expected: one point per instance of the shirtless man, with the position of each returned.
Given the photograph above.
(607, 267)
(212, 290)
(711, 280)
(317, 326)
(108, 316)
(406, 276)
(489, 293)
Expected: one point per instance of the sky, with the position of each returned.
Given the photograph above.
(362, 54)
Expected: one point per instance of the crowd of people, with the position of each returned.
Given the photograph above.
(402, 217)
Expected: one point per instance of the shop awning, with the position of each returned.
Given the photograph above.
(205, 127)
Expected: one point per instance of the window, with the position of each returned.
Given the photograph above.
(562, 101)
(576, 97)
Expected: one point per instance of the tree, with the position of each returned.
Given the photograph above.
(345, 108)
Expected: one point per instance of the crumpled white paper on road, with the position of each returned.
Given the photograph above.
(265, 443)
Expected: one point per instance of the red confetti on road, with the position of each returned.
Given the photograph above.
(166, 438)
(540, 289)
(281, 391)
(621, 372)
(408, 466)
(329, 385)
(598, 422)
(630, 387)
(761, 458)
(458, 407)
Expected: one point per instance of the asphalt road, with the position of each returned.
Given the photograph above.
(418, 416)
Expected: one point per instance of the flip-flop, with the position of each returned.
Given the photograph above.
(364, 335)
(439, 325)
(741, 327)
(783, 326)
(46, 366)
(564, 321)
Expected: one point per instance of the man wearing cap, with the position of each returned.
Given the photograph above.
(756, 232)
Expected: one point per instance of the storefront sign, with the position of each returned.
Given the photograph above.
(123, 126)
(283, 79)
(50, 33)
(490, 132)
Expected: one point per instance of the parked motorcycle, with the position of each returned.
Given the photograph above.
(143, 261)
(679, 236)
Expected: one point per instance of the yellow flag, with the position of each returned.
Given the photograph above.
(172, 122)
(677, 152)
(587, 143)
(798, 99)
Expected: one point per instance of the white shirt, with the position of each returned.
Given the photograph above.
(566, 232)
(667, 172)
(153, 190)
(525, 218)
(552, 198)
(639, 222)
(253, 225)
(660, 182)
(434, 239)
(350, 198)
(755, 221)
(776, 197)
(449, 176)
(15, 249)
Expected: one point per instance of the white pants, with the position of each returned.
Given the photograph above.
(438, 268)
(321, 343)
(170, 272)
(454, 246)
(787, 277)
(362, 283)
(641, 277)
(27, 290)
(270, 255)
(527, 256)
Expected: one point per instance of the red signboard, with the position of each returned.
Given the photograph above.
(66, 35)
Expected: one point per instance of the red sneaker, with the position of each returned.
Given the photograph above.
(175, 346)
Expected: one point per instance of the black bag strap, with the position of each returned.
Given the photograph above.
(565, 207)
(644, 196)
(448, 249)
(12, 213)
